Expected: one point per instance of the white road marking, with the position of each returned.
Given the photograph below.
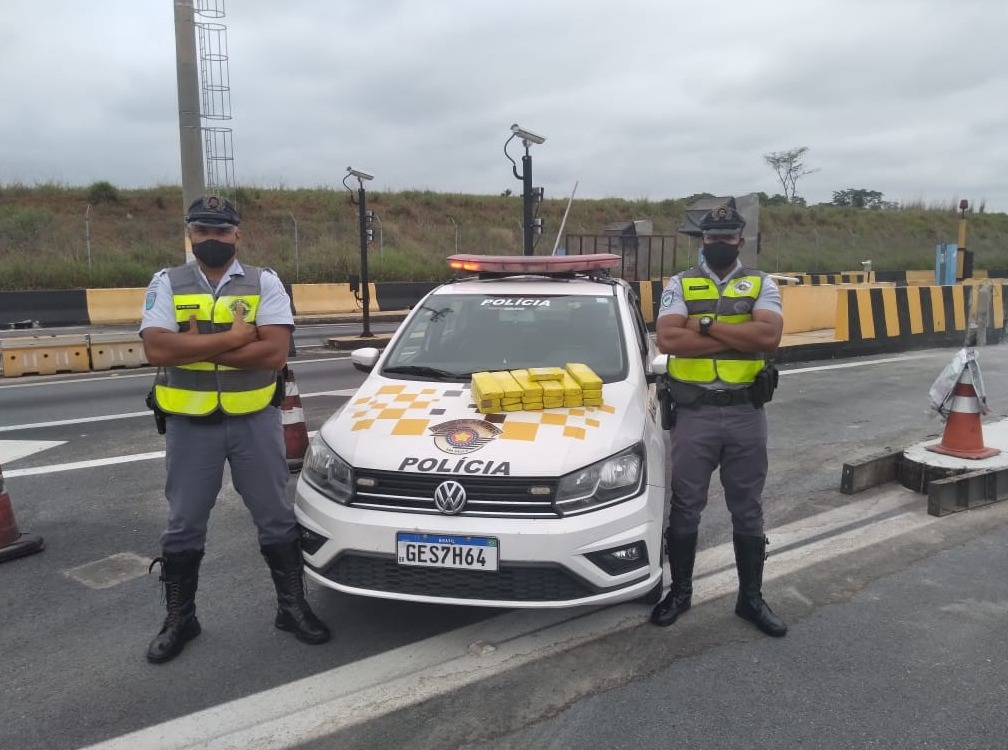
(41, 380)
(76, 465)
(340, 393)
(12, 450)
(847, 365)
(316, 706)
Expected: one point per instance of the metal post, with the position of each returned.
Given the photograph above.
(190, 133)
(365, 287)
(87, 234)
(454, 224)
(297, 262)
(527, 228)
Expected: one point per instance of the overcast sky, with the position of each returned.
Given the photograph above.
(638, 99)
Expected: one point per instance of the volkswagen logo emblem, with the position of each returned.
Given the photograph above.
(450, 497)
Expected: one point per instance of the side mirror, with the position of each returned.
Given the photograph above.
(364, 359)
(659, 366)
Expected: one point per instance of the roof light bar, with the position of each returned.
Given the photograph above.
(533, 264)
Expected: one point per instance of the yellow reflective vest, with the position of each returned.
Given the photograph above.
(734, 305)
(201, 388)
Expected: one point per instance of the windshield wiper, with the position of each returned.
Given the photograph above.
(432, 372)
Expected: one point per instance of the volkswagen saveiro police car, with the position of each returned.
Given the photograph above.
(411, 492)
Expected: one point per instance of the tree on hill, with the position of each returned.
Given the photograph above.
(771, 200)
(859, 198)
(790, 167)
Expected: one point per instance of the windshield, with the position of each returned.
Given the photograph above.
(459, 334)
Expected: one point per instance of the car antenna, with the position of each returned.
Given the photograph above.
(564, 220)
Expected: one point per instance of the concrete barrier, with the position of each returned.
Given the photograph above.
(324, 299)
(112, 350)
(808, 308)
(44, 355)
(111, 306)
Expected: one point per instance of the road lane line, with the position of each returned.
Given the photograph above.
(339, 393)
(316, 706)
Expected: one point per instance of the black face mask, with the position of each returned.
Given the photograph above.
(720, 255)
(214, 253)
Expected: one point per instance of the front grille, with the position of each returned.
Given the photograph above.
(489, 497)
(514, 583)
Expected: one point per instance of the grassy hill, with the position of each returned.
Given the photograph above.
(59, 237)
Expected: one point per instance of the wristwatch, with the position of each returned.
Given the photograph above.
(706, 321)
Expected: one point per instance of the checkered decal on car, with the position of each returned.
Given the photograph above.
(399, 410)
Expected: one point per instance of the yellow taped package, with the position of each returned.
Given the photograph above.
(484, 402)
(592, 401)
(572, 401)
(511, 407)
(584, 375)
(487, 385)
(531, 390)
(545, 373)
(552, 389)
(553, 403)
(591, 393)
(510, 400)
(570, 386)
(507, 383)
(532, 405)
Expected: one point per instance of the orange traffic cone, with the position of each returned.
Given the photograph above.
(963, 436)
(295, 428)
(12, 542)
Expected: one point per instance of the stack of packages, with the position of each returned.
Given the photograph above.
(511, 400)
(536, 388)
(549, 379)
(532, 392)
(588, 381)
(486, 392)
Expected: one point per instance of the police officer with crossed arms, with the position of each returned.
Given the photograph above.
(719, 320)
(219, 332)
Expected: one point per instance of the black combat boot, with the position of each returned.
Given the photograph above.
(682, 554)
(293, 613)
(180, 576)
(750, 553)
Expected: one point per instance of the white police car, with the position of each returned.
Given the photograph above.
(410, 492)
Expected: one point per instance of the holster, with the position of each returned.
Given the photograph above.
(666, 403)
(762, 389)
(159, 416)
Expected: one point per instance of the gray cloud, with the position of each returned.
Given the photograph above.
(638, 99)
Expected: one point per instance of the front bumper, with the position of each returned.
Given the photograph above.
(542, 563)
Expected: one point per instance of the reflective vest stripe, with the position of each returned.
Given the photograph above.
(200, 388)
(702, 297)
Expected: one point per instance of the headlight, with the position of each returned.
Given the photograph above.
(327, 472)
(607, 482)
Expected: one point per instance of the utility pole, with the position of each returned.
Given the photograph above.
(190, 133)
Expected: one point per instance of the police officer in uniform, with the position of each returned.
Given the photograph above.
(719, 320)
(219, 332)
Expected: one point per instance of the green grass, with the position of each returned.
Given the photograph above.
(62, 237)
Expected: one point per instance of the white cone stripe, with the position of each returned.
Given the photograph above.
(966, 405)
(293, 416)
(291, 389)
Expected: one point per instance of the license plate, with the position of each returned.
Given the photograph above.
(446, 551)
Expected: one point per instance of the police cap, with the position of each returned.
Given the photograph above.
(722, 220)
(212, 211)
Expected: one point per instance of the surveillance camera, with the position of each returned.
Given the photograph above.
(359, 175)
(527, 135)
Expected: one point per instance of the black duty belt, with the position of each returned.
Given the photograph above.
(718, 397)
(692, 396)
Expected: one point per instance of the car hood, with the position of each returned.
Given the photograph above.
(427, 427)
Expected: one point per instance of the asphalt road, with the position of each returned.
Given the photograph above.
(77, 617)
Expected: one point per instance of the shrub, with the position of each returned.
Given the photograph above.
(103, 192)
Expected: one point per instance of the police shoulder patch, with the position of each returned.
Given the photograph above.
(667, 299)
(149, 302)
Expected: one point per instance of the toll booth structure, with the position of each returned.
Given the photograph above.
(747, 205)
